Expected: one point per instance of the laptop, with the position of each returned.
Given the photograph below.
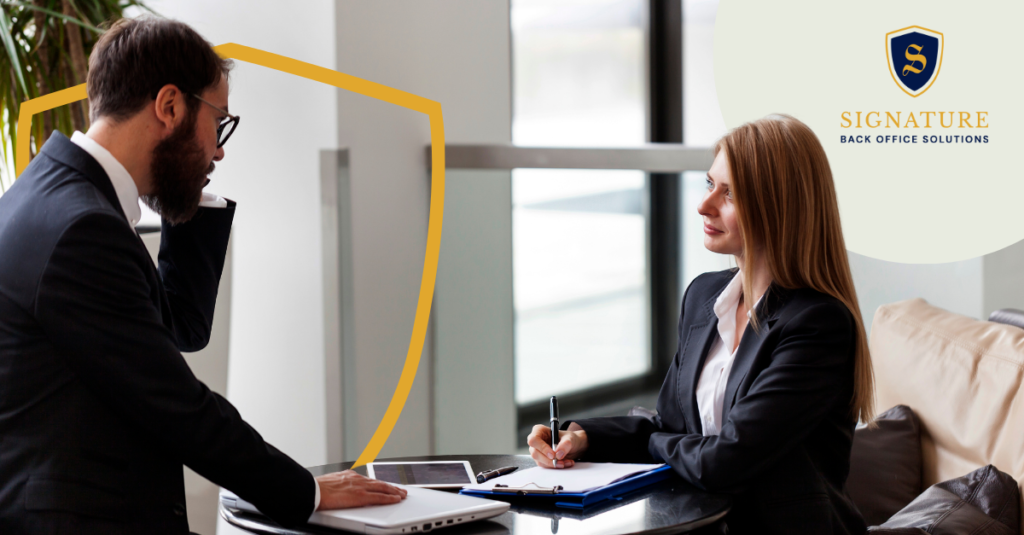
(421, 510)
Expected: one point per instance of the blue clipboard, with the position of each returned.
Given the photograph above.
(576, 500)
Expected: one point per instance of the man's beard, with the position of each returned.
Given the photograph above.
(178, 172)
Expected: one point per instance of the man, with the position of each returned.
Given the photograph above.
(98, 410)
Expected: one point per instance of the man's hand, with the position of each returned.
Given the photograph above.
(342, 490)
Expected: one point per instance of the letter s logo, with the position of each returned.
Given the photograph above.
(913, 59)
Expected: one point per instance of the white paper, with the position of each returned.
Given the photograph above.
(582, 477)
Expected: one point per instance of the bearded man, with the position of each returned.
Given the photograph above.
(98, 409)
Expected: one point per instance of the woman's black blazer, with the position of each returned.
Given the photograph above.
(784, 447)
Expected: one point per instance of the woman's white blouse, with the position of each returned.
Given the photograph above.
(715, 375)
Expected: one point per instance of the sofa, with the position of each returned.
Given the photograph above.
(963, 378)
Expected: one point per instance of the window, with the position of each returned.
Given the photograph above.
(580, 245)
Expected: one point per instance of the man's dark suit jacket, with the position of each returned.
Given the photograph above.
(98, 409)
(784, 448)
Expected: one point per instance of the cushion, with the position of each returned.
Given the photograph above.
(965, 380)
(1009, 316)
(984, 502)
(885, 465)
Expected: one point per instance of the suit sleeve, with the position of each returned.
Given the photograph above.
(810, 372)
(94, 303)
(616, 439)
(191, 262)
(624, 439)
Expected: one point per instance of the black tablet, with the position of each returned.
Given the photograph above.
(430, 474)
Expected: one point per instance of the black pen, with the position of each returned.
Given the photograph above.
(491, 474)
(554, 428)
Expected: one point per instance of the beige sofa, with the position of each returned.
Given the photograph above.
(965, 380)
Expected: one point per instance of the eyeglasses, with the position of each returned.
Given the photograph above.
(226, 127)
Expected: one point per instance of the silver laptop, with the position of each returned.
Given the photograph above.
(422, 510)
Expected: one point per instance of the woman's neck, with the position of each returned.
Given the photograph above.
(759, 276)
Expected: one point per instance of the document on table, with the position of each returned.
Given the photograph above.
(582, 477)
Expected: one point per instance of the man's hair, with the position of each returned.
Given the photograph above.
(136, 57)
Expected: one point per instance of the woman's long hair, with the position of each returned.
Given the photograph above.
(788, 213)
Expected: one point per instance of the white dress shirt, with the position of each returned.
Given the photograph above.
(128, 195)
(715, 375)
(125, 188)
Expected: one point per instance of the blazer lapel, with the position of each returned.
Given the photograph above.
(60, 148)
(699, 338)
(750, 344)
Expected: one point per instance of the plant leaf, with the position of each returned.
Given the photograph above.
(57, 14)
(12, 51)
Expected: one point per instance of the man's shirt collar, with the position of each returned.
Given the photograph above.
(124, 186)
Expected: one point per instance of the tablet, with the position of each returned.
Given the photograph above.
(429, 474)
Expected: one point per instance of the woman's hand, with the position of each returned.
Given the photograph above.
(571, 445)
(342, 490)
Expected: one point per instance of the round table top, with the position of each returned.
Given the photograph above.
(671, 506)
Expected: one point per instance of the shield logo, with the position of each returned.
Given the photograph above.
(915, 56)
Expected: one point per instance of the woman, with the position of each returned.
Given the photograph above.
(758, 404)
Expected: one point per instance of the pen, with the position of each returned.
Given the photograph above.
(554, 428)
(491, 474)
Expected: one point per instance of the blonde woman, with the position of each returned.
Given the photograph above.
(772, 370)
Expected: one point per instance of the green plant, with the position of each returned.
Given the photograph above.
(46, 46)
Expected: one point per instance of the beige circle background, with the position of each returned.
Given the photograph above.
(919, 203)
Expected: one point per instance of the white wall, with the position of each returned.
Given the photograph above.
(974, 287)
(955, 286)
(1003, 274)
